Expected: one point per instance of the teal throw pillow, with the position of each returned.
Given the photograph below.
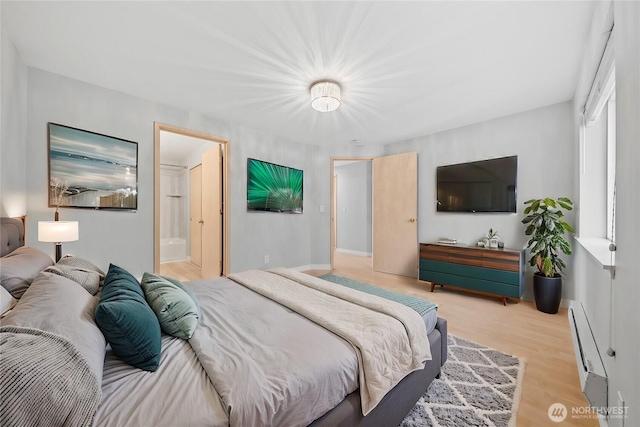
(174, 304)
(127, 321)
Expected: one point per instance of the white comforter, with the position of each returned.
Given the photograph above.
(389, 338)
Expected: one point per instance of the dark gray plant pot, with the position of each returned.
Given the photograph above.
(547, 292)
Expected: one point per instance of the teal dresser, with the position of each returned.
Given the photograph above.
(494, 271)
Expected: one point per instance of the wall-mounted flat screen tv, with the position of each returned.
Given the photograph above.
(483, 186)
(273, 188)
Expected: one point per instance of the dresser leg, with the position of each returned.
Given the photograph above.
(433, 285)
(504, 301)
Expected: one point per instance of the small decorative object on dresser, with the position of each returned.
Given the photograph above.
(493, 238)
(494, 271)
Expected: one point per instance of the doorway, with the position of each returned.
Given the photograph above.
(353, 207)
(178, 153)
(337, 224)
(394, 231)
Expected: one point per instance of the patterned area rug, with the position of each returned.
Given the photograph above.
(479, 386)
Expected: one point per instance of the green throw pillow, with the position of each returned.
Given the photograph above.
(175, 305)
(127, 321)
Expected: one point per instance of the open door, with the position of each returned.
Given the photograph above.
(212, 213)
(395, 212)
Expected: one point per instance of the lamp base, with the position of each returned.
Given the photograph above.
(58, 251)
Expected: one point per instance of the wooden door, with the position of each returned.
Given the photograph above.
(195, 216)
(395, 212)
(212, 213)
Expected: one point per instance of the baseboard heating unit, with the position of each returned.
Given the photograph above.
(593, 377)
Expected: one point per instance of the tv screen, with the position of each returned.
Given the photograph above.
(273, 188)
(483, 186)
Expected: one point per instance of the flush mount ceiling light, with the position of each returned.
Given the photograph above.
(325, 96)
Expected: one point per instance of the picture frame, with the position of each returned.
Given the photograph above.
(91, 170)
(274, 188)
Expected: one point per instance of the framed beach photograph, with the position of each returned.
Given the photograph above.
(91, 170)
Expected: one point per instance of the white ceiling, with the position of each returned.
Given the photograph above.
(406, 69)
(176, 148)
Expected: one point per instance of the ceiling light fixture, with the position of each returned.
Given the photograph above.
(325, 96)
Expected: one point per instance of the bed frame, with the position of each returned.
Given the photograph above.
(399, 401)
(11, 234)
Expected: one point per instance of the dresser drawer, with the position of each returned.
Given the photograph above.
(471, 283)
(489, 274)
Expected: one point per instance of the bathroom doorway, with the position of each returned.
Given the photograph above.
(190, 244)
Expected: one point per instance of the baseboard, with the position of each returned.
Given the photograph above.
(312, 267)
(603, 421)
(564, 303)
(351, 252)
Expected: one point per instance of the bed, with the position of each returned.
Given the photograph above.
(251, 359)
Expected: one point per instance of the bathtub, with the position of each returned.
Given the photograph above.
(173, 249)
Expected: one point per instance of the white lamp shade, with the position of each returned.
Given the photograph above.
(325, 96)
(57, 231)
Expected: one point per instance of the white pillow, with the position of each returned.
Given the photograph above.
(7, 301)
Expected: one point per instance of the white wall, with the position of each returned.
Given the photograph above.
(354, 207)
(174, 210)
(13, 128)
(542, 140)
(126, 238)
(284, 237)
(625, 375)
(593, 284)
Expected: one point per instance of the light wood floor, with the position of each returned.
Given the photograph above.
(181, 270)
(544, 340)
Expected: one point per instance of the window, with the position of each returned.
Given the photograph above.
(611, 165)
(598, 157)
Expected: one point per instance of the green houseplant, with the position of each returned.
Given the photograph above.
(546, 227)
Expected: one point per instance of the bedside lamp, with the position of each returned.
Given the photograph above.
(57, 232)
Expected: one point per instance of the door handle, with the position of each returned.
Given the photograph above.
(412, 220)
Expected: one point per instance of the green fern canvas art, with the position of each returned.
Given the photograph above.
(272, 187)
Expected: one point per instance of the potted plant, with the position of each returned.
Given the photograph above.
(547, 227)
(492, 239)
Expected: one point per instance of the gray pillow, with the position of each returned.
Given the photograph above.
(59, 305)
(20, 268)
(175, 306)
(81, 271)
